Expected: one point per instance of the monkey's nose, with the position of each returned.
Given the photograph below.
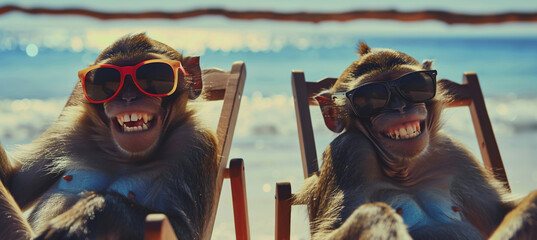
(396, 103)
(129, 92)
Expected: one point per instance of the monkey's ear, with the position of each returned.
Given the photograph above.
(364, 49)
(427, 64)
(193, 80)
(330, 113)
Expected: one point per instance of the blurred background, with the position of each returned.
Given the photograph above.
(41, 54)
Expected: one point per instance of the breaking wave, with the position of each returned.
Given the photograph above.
(266, 117)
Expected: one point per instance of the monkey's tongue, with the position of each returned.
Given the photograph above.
(404, 131)
(135, 126)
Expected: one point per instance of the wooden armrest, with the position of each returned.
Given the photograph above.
(283, 210)
(157, 227)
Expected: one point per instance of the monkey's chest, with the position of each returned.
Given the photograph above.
(75, 182)
(423, 208)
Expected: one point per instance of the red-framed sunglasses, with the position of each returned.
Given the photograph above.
(157, 78)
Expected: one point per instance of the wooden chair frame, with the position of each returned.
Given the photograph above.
(466, 94)
(227, 86)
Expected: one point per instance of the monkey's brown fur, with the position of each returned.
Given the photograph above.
(179, 173)
(442, 192)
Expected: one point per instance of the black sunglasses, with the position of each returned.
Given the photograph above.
(370, 98)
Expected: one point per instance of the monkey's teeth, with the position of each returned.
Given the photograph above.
(145, 118)
(410, 130)
(135, 129)
(133, 122)
(405, 131)
(134, 117)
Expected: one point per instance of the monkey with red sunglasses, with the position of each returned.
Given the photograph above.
(126, 145)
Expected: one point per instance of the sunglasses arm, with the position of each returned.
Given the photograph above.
(338, 95)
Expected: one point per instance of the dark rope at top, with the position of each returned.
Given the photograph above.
(313, 17)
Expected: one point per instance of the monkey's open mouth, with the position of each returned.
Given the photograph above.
(134, 122)
(406, 130)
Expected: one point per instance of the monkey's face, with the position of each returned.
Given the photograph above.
(136, 120)
(400, 128)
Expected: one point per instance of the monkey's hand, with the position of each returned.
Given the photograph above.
(520, 222)
(372, 221)
(73, 223)
(108, 216)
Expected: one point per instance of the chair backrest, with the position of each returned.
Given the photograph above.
(466, 94)
(469, 94)
(227, 86)
(304, 93)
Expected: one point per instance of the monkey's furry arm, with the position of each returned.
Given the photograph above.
(12, 223)
(23, 185)
(5, 166)
(30, 183)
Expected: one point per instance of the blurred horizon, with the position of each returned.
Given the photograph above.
(194, 36)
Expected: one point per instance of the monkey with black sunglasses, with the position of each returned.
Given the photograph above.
(392, 174)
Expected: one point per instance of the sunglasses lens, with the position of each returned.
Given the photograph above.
(417, 87)
(156, 78)
(102, 83)
(369, 98)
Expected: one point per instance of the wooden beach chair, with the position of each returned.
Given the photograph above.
(466, 94)
(226, 86)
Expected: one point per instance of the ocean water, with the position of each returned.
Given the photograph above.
(34, 85)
